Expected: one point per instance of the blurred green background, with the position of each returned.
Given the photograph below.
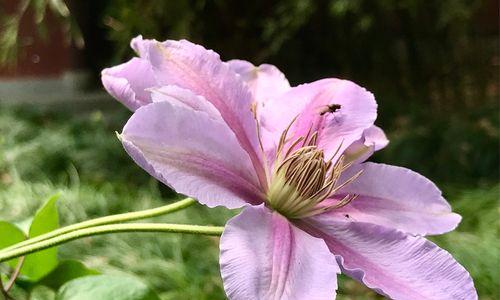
(432, 65)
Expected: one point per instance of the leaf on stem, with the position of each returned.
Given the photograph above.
(103, 287)
(10, 234)
(39, 264)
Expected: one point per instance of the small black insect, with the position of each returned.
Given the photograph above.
(330, 108)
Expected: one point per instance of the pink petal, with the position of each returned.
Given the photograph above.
(263, 256)
(399, 198)
(393, 263)
(179, 96)
(128, 82)
(375, 136)
(192, 67)
(265, 81)
(192, 153)
(358, 112)
(373, 139)
(141, 46)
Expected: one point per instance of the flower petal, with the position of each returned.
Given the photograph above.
(185, 98)
(128, 82)
(399, 198)
(192, 67)
(393, 263)
(375, 136)
(192, 153)
(263, 256)
(141, 46)
(339, 129)
(373, 139)
(265, 81)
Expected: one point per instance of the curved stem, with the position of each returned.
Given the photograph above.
(115, 228)
(125, 217)
(15, 274)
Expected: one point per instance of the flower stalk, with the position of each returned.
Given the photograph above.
(113, 219)
(105, 229)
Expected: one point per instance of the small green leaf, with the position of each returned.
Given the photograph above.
(104, 287)
(66, 271)
(10, 234)
(46, 218)
(39, 264)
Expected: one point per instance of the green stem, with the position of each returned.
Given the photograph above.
(120, 218)
(104, 229)
(15, 274)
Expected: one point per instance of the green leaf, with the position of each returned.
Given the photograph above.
(66, 271)
(104, 287)
(39, 264)
(10, 234)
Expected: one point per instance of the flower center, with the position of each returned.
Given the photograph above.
(302, 179)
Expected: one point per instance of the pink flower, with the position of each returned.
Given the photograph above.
(236, 135)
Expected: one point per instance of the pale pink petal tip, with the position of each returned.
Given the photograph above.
(265, 81)
(128, 82)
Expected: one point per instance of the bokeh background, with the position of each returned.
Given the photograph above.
(432, 65)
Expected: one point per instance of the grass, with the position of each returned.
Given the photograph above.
(43, 152)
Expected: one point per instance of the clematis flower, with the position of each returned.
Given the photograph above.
(236, 135)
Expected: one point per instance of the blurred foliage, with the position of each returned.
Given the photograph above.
(61, 150)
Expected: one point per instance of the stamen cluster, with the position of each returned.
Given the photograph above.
(302, 179)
